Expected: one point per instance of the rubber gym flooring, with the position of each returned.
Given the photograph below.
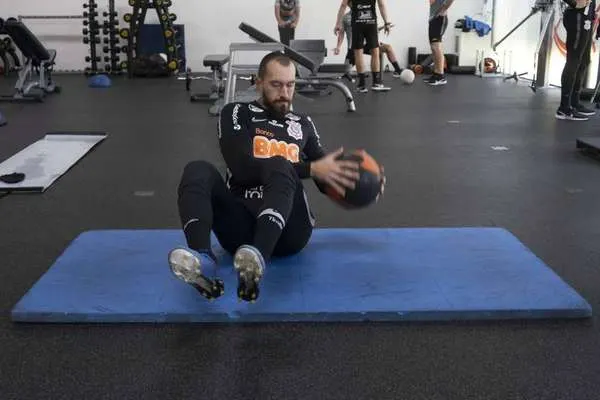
(474, 153)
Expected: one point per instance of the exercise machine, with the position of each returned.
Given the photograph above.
(9, 56)
(35, 76)
(132, 34)
(216, 63)
(547, 7)
(313, 74)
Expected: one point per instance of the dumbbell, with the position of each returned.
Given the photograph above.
(111, 14)
(110, 41)
(86, 40)
(90, 14)
(127, 17)
(168, 17)
(90, 6)
(170, 32)
(93, 31)
(88, 59)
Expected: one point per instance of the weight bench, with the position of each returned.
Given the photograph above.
(310, 72)
(215, 62)
(35, 76)
(317, 51)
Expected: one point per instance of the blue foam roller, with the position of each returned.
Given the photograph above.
(420, 274)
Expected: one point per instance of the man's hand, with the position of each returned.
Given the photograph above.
(582, 3)
(336, 51)
(387, 27)
(339, 174)
(337, 29)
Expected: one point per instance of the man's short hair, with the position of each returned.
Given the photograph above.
(277, 56)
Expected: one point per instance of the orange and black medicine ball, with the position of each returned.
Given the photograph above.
(367, 187)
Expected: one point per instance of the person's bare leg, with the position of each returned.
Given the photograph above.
(438, 58)
(391, 56)
(375, 65)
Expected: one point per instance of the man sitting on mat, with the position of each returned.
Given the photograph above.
(261, 209)
(438, 22)
(383, 47)
(365, 36)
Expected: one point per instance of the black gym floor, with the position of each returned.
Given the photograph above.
(474, 153)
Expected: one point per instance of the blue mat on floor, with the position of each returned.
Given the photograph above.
(343, 275)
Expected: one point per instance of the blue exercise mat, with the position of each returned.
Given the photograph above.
(342, 275)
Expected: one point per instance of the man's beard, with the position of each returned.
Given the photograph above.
(278, 108)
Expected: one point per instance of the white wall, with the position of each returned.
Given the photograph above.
(212, 25)
(523, 42)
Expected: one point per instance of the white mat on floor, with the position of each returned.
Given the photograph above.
(46, 160)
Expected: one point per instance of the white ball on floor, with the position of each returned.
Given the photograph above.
(407, 76)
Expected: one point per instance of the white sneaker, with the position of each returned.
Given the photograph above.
(250, 266)
(187, 266)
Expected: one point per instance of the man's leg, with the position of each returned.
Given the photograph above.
(299, 227)
(358, 39)
(206, 204)
(391, 56)
(580, 76)
(437, 28)
(372, 43)
(280, 182)
(285, 35)
(573, 23)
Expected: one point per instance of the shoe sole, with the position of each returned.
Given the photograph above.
(436, 83)
(248, 264)
(565, 118)
(387, 89)
(185, 265)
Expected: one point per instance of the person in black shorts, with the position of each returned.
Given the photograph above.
(578, 20)
(287, 13)
(365, 36)
(260, 209)
(438, 23)
(383, 47)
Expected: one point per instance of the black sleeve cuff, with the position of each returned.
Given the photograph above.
(303, 170)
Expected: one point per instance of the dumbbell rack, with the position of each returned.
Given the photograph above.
(91, 36)
(7, 48)
(111, 47)
(132, 34)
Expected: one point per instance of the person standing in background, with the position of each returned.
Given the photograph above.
(365, 36)
(438, 22)
(347, 33)
(578, 20)
(287, 13)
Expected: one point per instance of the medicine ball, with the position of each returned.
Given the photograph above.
(367, 187)
(407, 76)
(489, 65)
